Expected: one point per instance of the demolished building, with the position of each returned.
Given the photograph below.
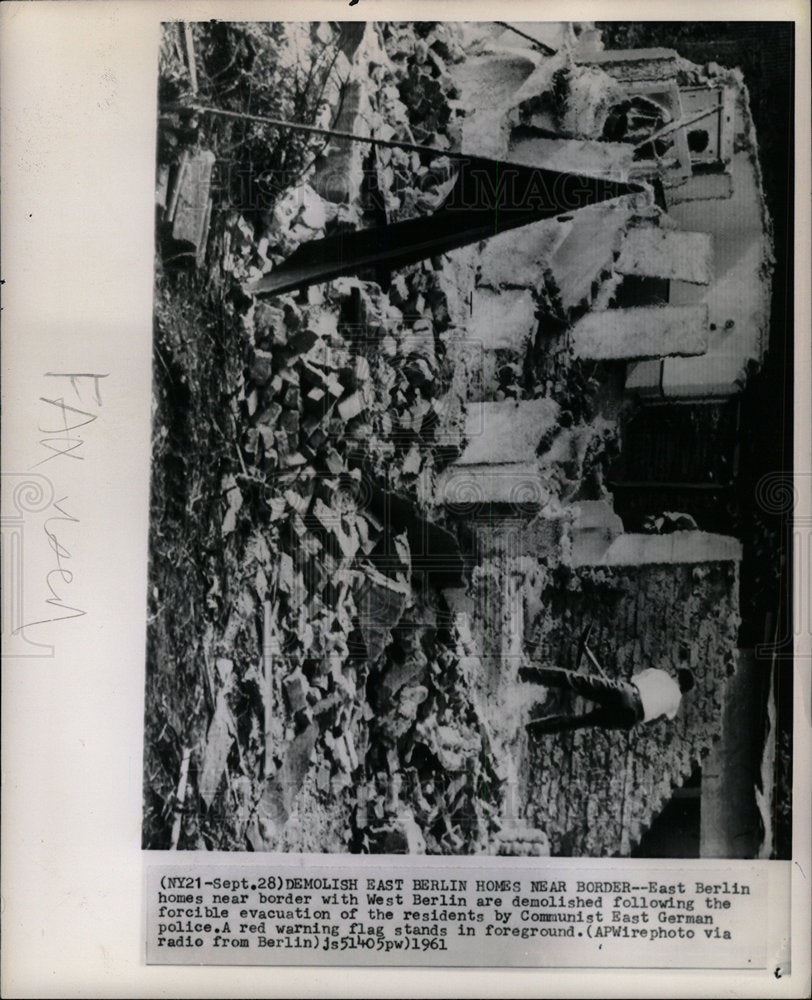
(442, 461)
(677, 291)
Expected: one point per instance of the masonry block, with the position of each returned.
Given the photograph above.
(520, 256)
(677, 547)
(652, 252)
(506, 431)
(595, 527)
(505, 319)
(645, 332)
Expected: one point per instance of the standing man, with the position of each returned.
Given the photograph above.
(623, 704)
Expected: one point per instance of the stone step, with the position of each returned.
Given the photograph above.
(643, 332)
(469, 490)
(502, 320)
(594, 528)
(506, 431)
(587, 254)
(677, 547)
(652, 252)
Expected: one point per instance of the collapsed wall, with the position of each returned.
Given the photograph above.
(596, 792)
(392, 427)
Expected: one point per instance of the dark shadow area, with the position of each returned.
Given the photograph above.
(764, 51)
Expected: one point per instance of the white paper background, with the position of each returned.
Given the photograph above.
(78, 130)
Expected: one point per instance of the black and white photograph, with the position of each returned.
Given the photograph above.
(406, 499)
(471, 445)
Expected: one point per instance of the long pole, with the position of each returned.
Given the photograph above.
(545, 48)
(313, 129)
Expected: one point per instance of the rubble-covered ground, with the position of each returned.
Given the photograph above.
(311, 682)
(308, 686)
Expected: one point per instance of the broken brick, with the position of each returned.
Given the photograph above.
(261, 368)
(381, 602)
(289, 421)
(302, 341)
(295, 687)
(398, 675)
(291, 399)
(351, 406)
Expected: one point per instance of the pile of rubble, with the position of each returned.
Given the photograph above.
(345, 382)
(336, 676)
(344, 424)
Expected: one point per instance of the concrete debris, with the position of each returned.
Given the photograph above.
(188, 207)
(380, 601)
(296, 688)
(383, 438)
(235, 501)
(667, 253)
(519, 258)
(507, 430)
(585, 255)
(642, 332)
(505, 319)
(595, 526)
(219, 738)
(590, 94)
(281, 790)
(590, 157)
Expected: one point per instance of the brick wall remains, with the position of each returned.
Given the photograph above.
(595, 793)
